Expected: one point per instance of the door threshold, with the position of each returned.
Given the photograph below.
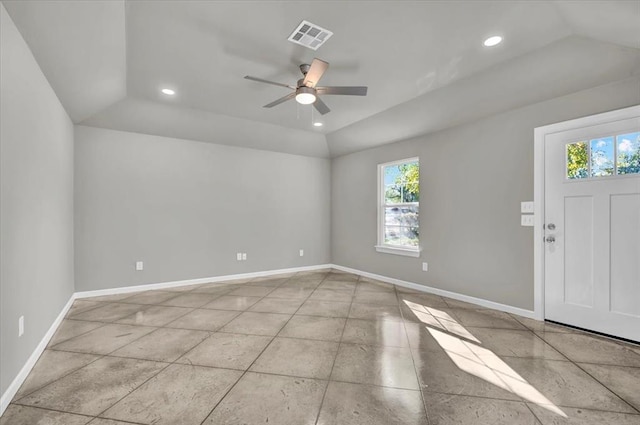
(615, 338)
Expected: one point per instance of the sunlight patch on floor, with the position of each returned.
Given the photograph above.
(475, 360)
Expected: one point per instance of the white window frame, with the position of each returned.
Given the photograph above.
(381, 246)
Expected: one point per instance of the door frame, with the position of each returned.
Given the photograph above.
(540, 134)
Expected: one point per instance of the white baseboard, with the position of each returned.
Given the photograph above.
(177, 283)
(454, 295)
(31, 361)
(24, 372)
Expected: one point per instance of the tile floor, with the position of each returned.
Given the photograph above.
(323, 348)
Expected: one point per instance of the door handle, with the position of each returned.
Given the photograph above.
(550, 239)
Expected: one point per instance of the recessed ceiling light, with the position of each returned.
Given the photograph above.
(317, 124)
(168, 92)
(493, 41)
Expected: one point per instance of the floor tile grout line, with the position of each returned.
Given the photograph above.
(75, 336)
(124, 422)
(586, 372)
(608, 364)
(567, 360)
(577, 331)
(218, 330)
(191, 309)
(90, 417)
(352, 298)
(578, 408)
(263, 335)
(166, 326)
(519, 400)
(168, 364)
(70, 316)
(174, 295)
(100, 356)
(174, 362)
(413, 360)
(301, 338)
(637, 409)
(247, 370)
(527, 402)
(533, 413)
(333, 365)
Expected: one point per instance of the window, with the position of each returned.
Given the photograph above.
(605, 156)
(398, 209)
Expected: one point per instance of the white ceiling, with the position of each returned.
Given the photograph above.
(424, 64)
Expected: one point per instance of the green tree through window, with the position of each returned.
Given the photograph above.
(625, 153)
(399, 214)
(577, 161)
(629, 153)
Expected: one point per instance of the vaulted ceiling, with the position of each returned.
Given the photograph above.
(423, 61)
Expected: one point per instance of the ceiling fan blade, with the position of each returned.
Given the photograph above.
(260, 80)
(318, 67)
(347, 90)
(321, 106)
(281, 100)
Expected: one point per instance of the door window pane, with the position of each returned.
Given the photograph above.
(602, 162)
(628, 153)
(577, 161)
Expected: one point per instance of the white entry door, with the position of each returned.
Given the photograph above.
(592, 227)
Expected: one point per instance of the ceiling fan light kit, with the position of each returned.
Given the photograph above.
(305, 95)
(306, 90)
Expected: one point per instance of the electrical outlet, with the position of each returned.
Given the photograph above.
(139, 265)
(527, 220)
(239, 256)
(526, 207)
(302, 252)
(425, 267)
(21, 326)
(244, 256)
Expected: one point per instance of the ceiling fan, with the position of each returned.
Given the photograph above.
(307, 92)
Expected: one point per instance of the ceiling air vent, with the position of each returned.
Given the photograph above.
(310, 35)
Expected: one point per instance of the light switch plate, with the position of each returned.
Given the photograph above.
(527, 220)
(425, 267)
(239, 256)
(139, 265)
(302, 252)
(526, 207)
(21, 326)
(244, 256)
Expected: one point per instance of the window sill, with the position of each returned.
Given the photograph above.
(407, 252)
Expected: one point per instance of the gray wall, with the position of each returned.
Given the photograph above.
(473, 178)
(185, 208)
(36, 202)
